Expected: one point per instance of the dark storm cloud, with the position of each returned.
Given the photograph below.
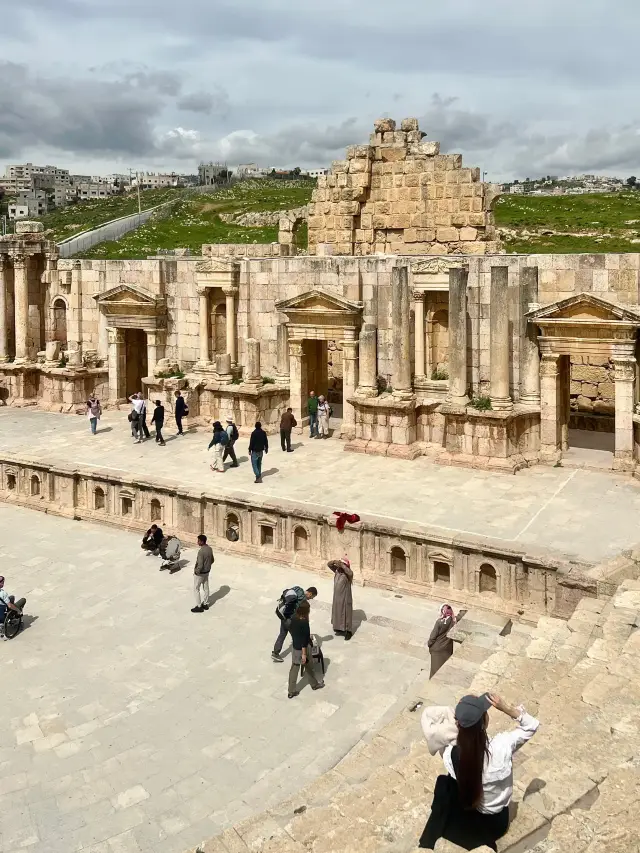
(209, 103)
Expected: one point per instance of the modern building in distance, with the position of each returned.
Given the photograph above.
(29, 203)
(157, 180)
(314, 173)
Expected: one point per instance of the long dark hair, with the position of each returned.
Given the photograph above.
(473, 747)
(303, 611)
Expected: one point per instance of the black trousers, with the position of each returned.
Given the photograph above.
(230, 452)
(466, 828)
(285, 439)
(142, 427)
(159, 437)
(179, 424)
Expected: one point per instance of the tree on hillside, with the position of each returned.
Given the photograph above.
(632, 182)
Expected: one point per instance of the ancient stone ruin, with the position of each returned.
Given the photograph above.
(399, 195)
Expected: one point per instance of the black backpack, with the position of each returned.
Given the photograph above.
(235, 435)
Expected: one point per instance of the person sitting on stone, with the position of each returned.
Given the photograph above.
(152, 539)
(470, 805)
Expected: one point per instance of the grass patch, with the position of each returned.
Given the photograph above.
(196, 220)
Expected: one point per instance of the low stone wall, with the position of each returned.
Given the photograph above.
(409, 558)
(55, 389)
(245, 250)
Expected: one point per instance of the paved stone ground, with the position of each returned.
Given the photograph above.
(589, 514)
(130, 724)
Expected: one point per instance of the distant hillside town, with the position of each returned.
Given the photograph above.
(33, 191)
(570, 185)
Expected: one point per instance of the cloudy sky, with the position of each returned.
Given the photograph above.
(547, 87)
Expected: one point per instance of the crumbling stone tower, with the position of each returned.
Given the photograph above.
(399, 195)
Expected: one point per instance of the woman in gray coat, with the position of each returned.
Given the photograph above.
(439, 643)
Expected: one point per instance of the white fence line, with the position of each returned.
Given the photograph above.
(111, 230)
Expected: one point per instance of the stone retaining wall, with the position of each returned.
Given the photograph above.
(409, 558)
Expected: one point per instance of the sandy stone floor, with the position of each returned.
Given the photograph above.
(130, 724)
(589, 514)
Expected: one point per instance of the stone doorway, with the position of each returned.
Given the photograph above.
(136, 365)
(322, 373)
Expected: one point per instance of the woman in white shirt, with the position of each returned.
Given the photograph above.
(471, 805)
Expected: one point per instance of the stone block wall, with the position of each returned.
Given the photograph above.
(592, 385)
(399, 195)
(245, 250)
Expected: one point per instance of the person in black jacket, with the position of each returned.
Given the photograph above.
(181, 411)
(158, 420)
(301, 655)
(152, 539)
(258, 445)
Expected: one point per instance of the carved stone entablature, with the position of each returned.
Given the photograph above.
(321, 315)
(218, 272)
(433, 274)
(129, 307)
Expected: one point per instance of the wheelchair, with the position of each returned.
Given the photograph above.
(13, 620)
(169, 550)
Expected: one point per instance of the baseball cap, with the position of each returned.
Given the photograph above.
(470, 710)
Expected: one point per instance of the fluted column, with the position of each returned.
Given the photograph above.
(253, 375)
(203, 315)
(230, 296)
(419, 351)
(152, 351)
(298, 381)
(21, 291)
(368, 362)
(529, 350)
(282, 351)
(551, 403)
(4, 354)
(400, 310)
(624, 378)
(458, 385)
(117, 364)
(499, 339)
(349, 385)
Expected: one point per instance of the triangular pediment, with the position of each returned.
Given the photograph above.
(585, 307)
(319, 301)
(125, 294)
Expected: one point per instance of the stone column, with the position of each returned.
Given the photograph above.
(550, 403)
(74, 316)
(499, 340)
(230, 296)
(624, 377)
(298, 382)
(50, 280)
(529, 350)
(368, 363)
(458, 385)
(21, 290)
(203, 313)
(400, 312)
(282, 351)
(117, 364)
(418, 316)
(4, 354)
(253, 375)
(152, 351)
(349, 385)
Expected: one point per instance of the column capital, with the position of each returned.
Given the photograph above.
(231, 290)
(624, 369)
(116, 336)
(19, 261)
(549, 364)
(201, 289)
(295, 349)
(417, 295)
(350, 349)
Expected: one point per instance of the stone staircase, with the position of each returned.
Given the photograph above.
(577, 783)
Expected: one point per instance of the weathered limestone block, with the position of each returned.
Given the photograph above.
(384, 125)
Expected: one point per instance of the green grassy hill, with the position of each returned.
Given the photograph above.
(596, 222)
(86, 215)
(195, 219)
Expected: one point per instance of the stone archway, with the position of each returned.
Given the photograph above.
(585, 326)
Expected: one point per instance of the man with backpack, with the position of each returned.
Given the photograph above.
(287, 605)
(234, 435)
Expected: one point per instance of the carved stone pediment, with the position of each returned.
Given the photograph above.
(437, 266)
(319, 301)
(584, 308)
(213, 265)
(217, 272)
(126, 294)
(128, 306)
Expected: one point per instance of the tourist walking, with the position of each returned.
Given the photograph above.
(342, 607)
(142, 426)
(180, 411)
(312, 411)
(324, 413)
(94, 411)
(287, 605)
(440, 645)
(301, 653)
(158, 420)
(234, 435)
(135, 416)
(219, 441)
(471, 804)
(204, 561)
(287, 423)
(258, 445)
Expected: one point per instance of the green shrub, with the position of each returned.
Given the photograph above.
(268, 380)
(482, 404)
(439, 375)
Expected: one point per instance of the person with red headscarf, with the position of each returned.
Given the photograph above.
(342, 608)
(439, 643)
